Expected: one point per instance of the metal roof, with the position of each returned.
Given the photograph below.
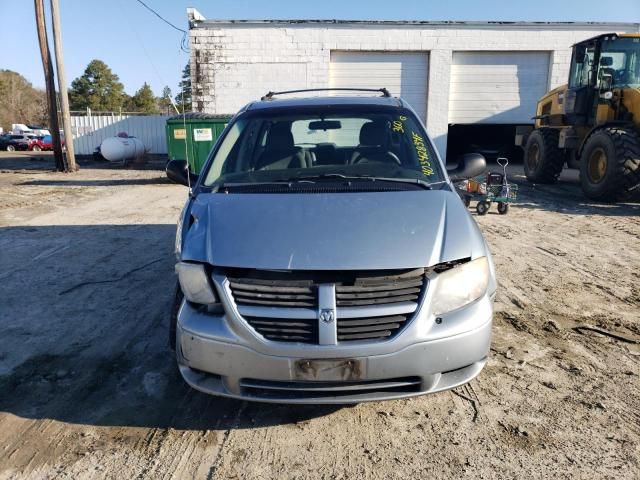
(201, 22)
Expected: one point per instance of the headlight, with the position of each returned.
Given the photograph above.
(179, 227)
(195, 283)
(460, 286)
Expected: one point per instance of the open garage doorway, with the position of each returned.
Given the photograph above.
(491, 93)
(492, 141)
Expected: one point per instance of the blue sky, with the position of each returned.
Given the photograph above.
(139, 47)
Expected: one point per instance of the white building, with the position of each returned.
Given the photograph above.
(478, 79)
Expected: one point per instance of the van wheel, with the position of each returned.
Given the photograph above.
(610, 164)
(173, 319)
(543, 160)
(11, 148)
(482, 207)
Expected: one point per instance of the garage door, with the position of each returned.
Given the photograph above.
(403, 74)
(497, 87)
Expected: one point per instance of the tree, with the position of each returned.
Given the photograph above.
(183, 98)
(164, 102)
(20, 102)
(144, 100)
(127, 103)
(98, 88)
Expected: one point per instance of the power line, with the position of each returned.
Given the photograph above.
(160, 16)
(184, 49)
(183, 42)
(153, 65)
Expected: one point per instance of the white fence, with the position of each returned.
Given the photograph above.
(89, 131)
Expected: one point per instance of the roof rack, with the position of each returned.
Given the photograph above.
(384, 91)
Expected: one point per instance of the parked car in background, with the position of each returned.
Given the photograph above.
(11, 143)
(43, 143)
(35, 143)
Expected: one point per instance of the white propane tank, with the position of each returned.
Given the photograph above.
(117, 149)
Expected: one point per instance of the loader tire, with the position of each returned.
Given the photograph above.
(543, 160)
(610, 164)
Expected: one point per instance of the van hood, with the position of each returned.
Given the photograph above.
(341, 231)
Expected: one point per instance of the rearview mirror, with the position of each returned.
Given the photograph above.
(178, 172)
(470, 165)
(325, 125)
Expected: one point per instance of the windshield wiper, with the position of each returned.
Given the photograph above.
(313, 178)
(310, 178)
(284, 181)
(307, 178)
(415, 181)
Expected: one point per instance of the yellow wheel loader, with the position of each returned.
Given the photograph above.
(593, 122)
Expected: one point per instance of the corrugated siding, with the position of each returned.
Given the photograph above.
(403, 74)
(497, 87)
(90, 131)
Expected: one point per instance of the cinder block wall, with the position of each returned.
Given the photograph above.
(235, 63)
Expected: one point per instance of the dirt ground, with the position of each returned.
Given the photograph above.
(89, 387)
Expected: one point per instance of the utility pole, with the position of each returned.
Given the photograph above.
(62, 87)
(51, 88)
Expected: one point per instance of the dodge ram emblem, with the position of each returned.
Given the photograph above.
(327, 315)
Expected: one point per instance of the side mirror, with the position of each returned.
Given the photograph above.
(178, 171)
(470, 165)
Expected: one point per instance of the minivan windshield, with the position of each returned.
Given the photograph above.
(321, 142)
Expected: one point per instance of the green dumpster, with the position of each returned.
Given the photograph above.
(192, 136)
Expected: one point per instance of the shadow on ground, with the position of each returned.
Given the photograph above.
(44, 161)
(84, 321)
(84, 313)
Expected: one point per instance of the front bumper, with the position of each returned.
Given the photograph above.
(216, 356)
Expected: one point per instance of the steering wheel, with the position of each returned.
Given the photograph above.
(620, 75)
(393, 156)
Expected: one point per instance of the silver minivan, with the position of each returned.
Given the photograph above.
(323, 256)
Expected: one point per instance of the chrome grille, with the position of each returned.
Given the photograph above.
(380, 289)
(257, 291)
(367, 328)
(283, 306)
(285, 329)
